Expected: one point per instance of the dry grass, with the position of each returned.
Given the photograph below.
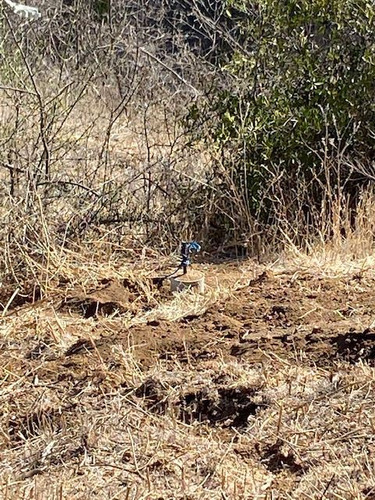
(349, 250)
(88, 412)
(104, 424)
(97, 435)
(312, 434)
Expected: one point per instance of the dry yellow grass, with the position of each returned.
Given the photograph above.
(135, 402)
(259, 388)
(106, 431)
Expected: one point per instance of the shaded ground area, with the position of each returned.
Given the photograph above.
(101, 400)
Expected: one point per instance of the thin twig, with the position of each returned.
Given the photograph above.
(179, 77)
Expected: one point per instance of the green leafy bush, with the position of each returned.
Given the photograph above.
(297, 104)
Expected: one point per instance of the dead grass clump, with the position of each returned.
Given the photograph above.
(345, 246)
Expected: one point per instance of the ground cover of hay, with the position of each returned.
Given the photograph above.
(260, 388)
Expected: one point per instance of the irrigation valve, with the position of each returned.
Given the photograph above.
(188, 249)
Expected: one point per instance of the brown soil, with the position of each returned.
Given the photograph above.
(317, 321)
(307, 320)
(81, 347)
(111, 298)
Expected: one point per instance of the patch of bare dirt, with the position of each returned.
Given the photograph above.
(323, 321)
(301, 320)
(263, 380)
(111, 298)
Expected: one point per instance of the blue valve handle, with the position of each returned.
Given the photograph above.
(186, 249)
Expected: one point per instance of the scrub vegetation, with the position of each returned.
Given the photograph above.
(126, 128)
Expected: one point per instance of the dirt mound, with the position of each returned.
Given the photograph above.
(271, 317)
(308, 318)
(113, 297)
